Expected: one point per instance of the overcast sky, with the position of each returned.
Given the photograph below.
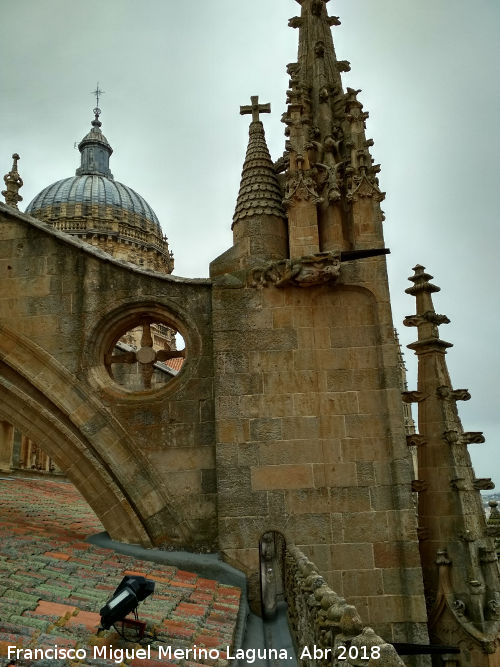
(174, 75)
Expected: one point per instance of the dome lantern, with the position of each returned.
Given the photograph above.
(95, 151)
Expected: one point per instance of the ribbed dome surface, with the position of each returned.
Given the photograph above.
(92, 189)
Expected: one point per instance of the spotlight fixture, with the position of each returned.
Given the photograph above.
(126, 598)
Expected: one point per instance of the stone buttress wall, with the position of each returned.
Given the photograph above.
(150, 454)
(310, 438)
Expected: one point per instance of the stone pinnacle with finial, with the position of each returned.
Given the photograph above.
(13, 182)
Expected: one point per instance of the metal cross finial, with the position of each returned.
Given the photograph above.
(255, 109)
(97, 92)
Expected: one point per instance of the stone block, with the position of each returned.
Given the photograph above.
(238, 384)
(339, 403)
(332, 426)
(402, 525)
(403, 582)
(396, 554)
(353, 336)
(355, 499)
(230, 480)
(182, 458)
(181, 484)
(365, 473)
(300, 428)
(208, 480)
(305, 501)
(290, 451)
(355, 556)
(369, 526)
(226, 455)
(305, 360)
(303, 316)
(397, 608)
(227, 407)
(340, 474)
(228, 430)
(320, 555)
(362, 583)
(248, 454)
(306, 404)
(282, 318)
(354, 379)
(266, 429)
(359, 426)
(241, 532)
(281, 477)
(232, 362)
(290, 381)
(277, 506)
(241, 503)
(309, 529)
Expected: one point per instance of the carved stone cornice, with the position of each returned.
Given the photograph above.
(429, 344)
(302, 272)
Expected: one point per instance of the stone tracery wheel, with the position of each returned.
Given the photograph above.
(145, 353)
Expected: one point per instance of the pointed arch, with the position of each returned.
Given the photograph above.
(44, 401)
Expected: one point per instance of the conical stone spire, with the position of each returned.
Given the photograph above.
(259, 193)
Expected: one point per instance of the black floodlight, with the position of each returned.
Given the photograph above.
(126, 598)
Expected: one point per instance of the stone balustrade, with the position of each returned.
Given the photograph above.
(327, 630)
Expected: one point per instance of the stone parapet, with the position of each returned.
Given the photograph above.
(327, 630)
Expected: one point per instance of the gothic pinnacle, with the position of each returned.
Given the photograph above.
(13, 182)
(426, 319)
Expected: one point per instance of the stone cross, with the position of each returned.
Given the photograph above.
(255, 109)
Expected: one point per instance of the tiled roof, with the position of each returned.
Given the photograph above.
(175, 364)
(53, 583)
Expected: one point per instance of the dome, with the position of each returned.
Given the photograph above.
(102, 211)
(93, 189)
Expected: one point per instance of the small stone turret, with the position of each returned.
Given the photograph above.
(259, 218)
(13, 182)
(259, 221)
(459, 563)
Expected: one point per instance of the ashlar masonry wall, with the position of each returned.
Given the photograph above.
(310, 437)
(144, 460)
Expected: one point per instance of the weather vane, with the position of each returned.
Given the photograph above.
(97, 92)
